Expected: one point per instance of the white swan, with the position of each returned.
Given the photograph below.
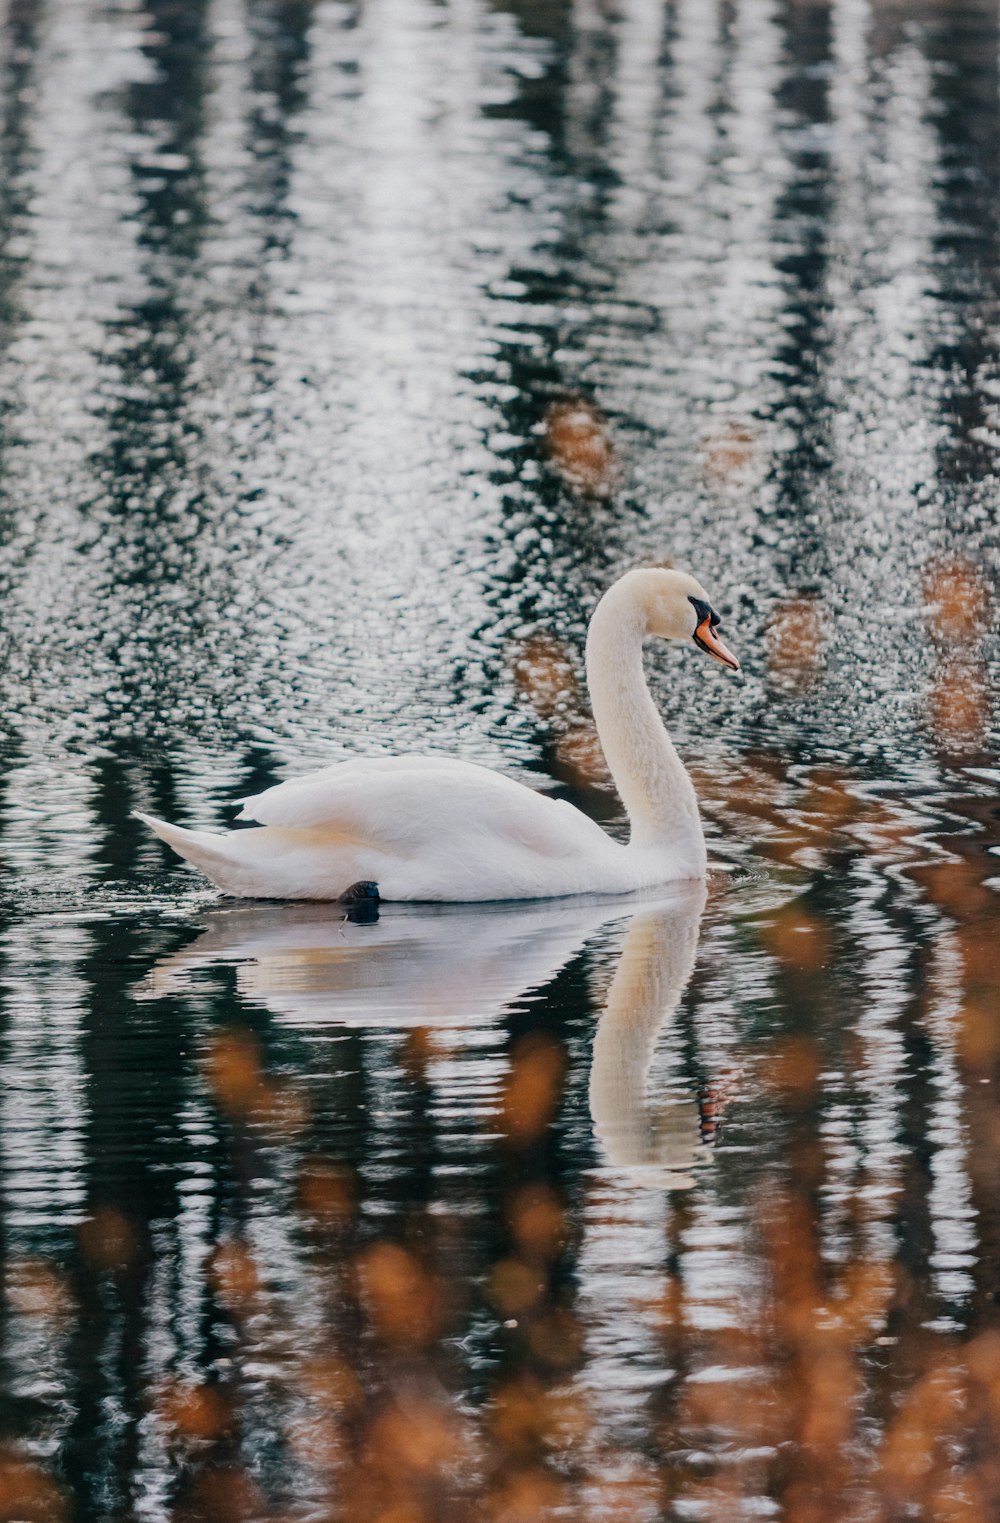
(431, 828)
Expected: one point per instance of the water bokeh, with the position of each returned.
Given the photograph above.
(347, 352)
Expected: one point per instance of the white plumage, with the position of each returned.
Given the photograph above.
(433, 828)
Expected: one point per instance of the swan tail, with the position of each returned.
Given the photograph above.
(271, 863)
(202, 848)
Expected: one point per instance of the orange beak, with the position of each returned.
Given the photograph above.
(706, 637)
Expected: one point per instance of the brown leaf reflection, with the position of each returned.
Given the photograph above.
(403, 1299)
(578, 444)
(795, 634)
(327, 1193)
(809, 820)
(194, 1412)
(226, 1494)
(107, 1239)
(959, 703)
(235, 1278)
(35, 1288)
(546, 676)
(800, 940)
(30, 1494)
(733, 456)
(544, 672)
(958, 607)
(532, 1090)
(755, 1294)
(234, 1073)
(956, 599)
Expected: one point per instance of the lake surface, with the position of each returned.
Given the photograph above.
(347, 352)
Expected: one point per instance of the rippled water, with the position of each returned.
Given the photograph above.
(346, 354)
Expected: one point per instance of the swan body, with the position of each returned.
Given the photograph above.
(433, 828)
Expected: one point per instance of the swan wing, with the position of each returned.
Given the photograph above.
(407, 803)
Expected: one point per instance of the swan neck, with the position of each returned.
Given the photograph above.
(650, 777)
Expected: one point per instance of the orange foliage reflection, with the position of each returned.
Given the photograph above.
(35, 1288)
(959, 702)
(29, 1493)
(235, 1074)
(956, 599)
(958, 606)
(732, 454)
(194, 1412)
(532, 1090)
(545, 675)
(107, 1239)
(404, 1300)
(578, 443)
(795, 637)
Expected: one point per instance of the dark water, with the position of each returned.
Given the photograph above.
(346, 353)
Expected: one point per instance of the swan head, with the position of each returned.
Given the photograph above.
(679, 608)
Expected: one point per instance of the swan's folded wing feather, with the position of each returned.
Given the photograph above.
(336, 796)
(364, 795)
(397, 803)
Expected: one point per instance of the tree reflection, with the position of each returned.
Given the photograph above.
(346, 353)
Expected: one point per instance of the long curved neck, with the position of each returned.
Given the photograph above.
(648, 773)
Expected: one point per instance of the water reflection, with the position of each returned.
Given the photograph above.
(419, 965)
(339, 1183)
(579, 446)
(346, 354)
(657, 1138)
(432, 967)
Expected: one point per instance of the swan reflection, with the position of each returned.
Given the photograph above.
(449, 966)
(655, 1136)
(417, 965)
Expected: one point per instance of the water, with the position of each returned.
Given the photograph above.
(346, 354)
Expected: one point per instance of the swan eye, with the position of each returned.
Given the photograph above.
(704, 611)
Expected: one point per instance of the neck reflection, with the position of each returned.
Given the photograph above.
(464, 966)
(652, 1132)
